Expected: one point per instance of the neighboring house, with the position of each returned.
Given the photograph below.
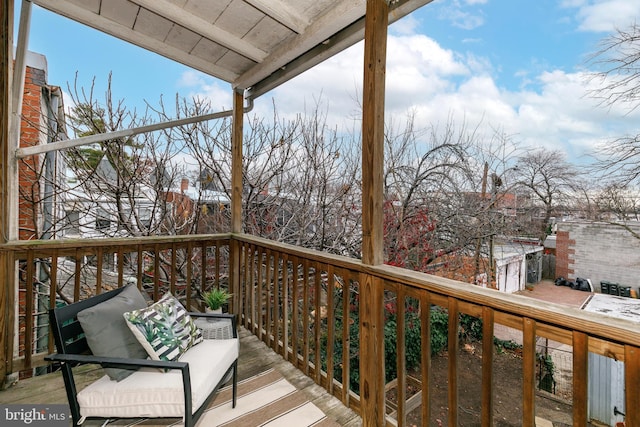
(40, 179)
(599, 251)
(213, 205)
(41, 176)
(95, 213)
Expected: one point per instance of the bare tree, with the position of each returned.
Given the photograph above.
(617, 82)
(124, 185)
(440, 212)
(550, 178)
(619, 60)
(423, 187)
(618, 203)
(299, 178)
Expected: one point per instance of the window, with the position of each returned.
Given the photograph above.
(103, 220)
(144, 215)
(73, 222)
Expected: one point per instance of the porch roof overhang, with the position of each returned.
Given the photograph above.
(255, 45)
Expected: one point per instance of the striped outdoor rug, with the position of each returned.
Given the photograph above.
(266, 399)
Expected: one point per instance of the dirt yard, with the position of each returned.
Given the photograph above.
(507, 370)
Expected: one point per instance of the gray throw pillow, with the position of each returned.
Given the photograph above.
(107, 332)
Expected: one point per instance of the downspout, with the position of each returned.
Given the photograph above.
(52, 100)
(50, 160)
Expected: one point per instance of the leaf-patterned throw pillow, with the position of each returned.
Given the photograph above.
(164, 329)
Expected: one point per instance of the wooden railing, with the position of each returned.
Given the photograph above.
(183, 265)
(306, 306)
(316, 310)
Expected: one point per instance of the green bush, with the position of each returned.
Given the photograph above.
(470, 329)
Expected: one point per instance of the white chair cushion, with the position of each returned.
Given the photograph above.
(151, 393)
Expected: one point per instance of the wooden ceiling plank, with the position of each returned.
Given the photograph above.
(337, 18)
(282, 13)
(196, 24)
(119, 31)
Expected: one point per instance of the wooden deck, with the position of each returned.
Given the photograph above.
(255, 357)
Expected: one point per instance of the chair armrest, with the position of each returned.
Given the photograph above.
(115, 362)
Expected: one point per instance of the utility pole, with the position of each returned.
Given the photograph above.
(483, 194)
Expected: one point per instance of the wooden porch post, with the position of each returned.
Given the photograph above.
(6, 269)
(372, 289)
(236, 195)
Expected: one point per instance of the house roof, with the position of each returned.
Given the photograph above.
(254, 45)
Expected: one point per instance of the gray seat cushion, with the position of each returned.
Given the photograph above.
(107, 332)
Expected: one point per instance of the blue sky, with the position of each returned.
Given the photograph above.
(514, 65)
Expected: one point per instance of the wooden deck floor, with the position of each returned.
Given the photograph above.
(255, 357)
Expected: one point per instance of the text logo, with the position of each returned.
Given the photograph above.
(34, 415)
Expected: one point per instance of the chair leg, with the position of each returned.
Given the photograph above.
(235, 382)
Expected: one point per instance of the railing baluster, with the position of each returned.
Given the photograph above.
(120, 265)
(99, 256)
(305, 317)
(528, 372)
(346, 326)
(278, 301)
(580, 378)
(331, 316)
(295, 310)
(401, 350)
(203, 267)
(76, 287)
(260, 292)
(632, 380)
(285, 307)
(156, 272)
(269, 298)
(140, 267)
(29, 310)
(189, 273)
(425, 360)
(317, 321)
(53, 287)
(487, 366)
(453, 361)
(172, 279)
(216, 276)
(245, 285)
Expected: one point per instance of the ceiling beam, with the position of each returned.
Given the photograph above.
(336, 44)
(339, 17)
(282, 13)
(86, 17)
(176, 14)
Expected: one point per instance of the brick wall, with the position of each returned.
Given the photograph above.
(31, 133)
(598, 251)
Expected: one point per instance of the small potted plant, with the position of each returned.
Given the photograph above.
(215, 299)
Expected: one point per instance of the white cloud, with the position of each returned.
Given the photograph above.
(440, 85)
(461, 15)
(407, 25)
(604, 15)
(204, 87)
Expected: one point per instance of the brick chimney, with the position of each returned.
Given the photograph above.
(184, 185)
